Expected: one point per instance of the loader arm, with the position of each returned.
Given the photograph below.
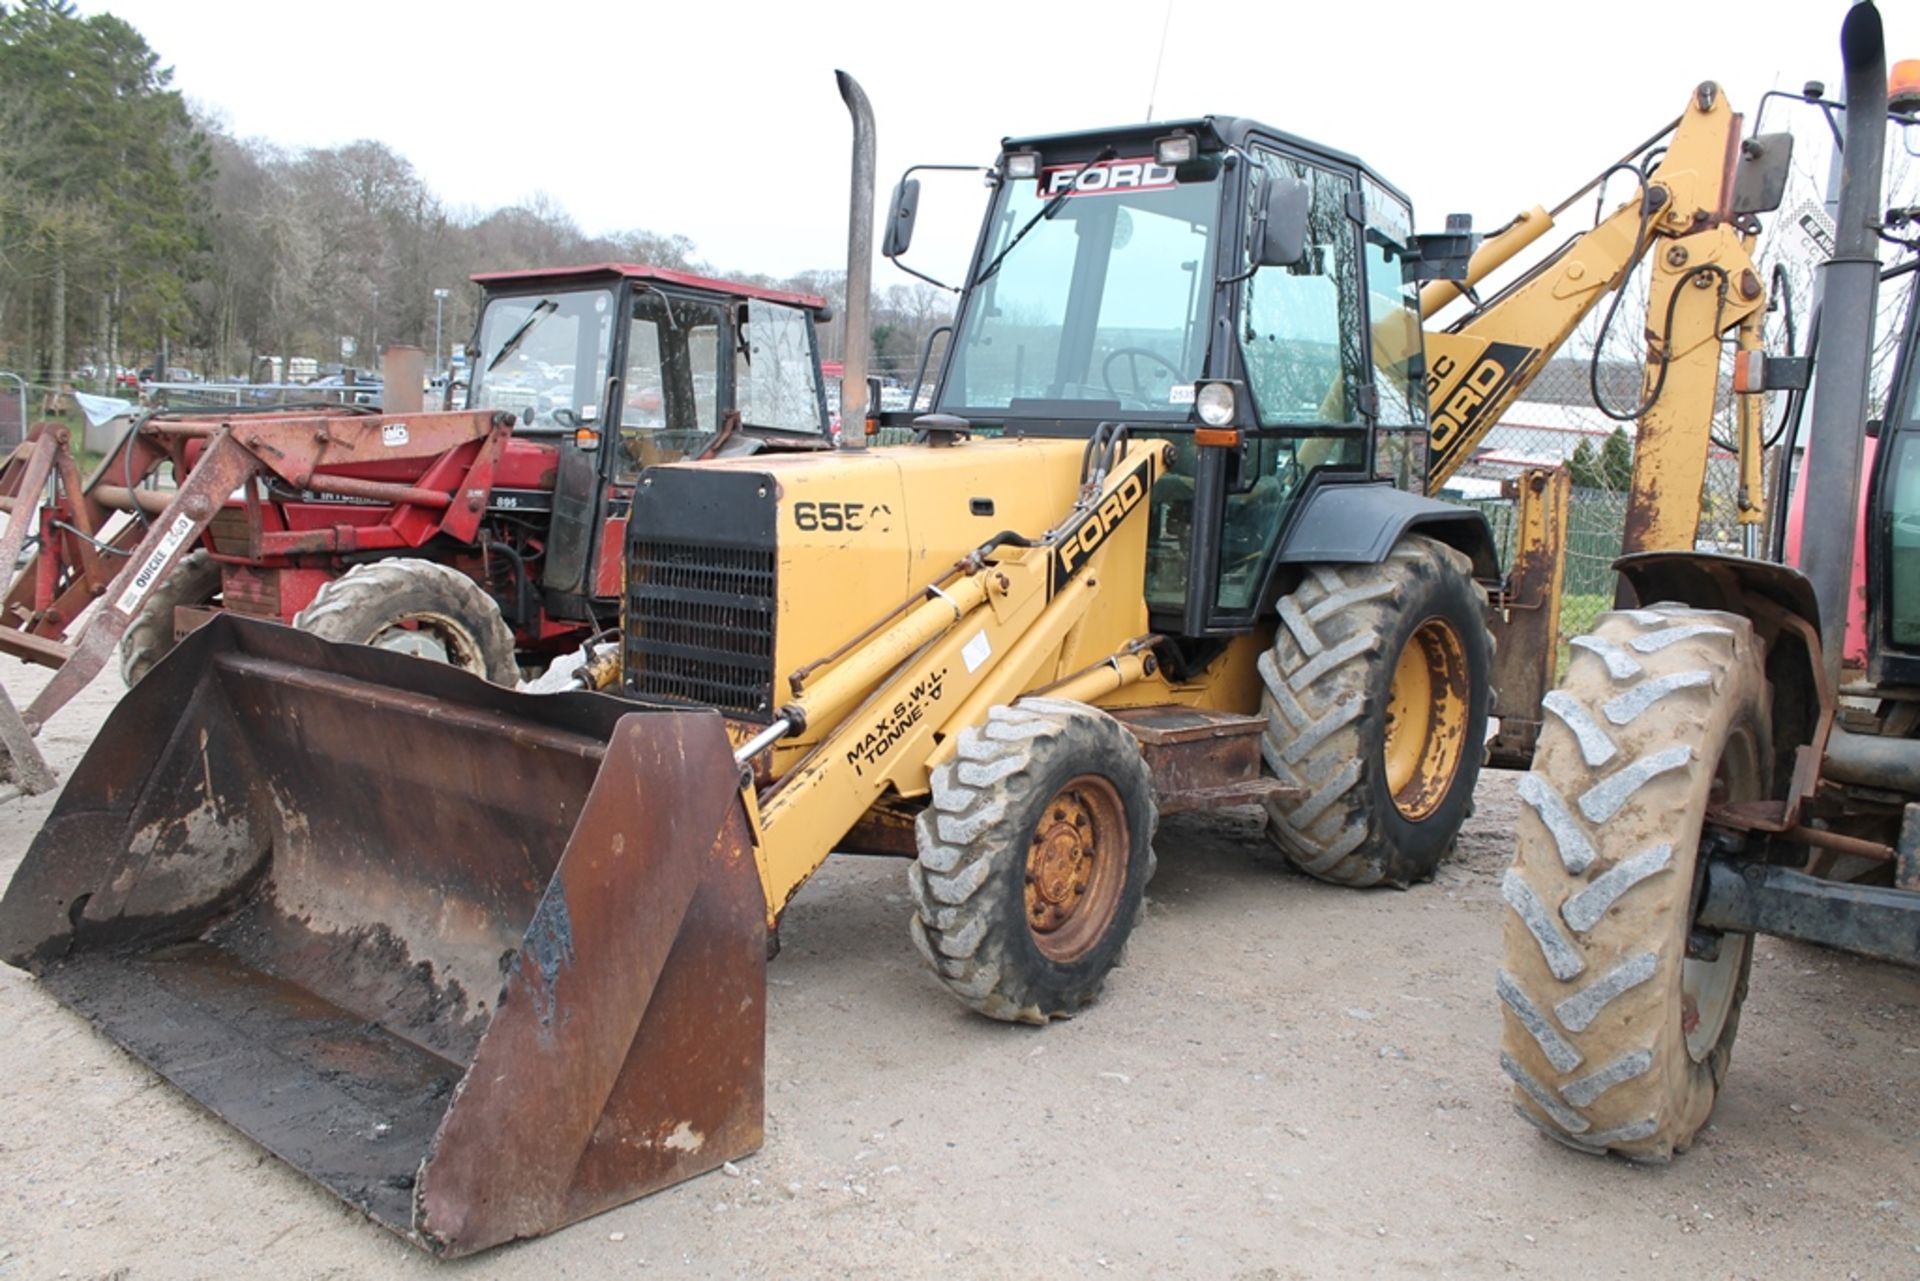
(1687, 218)
(987, 633)
(291, 448)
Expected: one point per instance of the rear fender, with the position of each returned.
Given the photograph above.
(1358, 524)
(1769, 595)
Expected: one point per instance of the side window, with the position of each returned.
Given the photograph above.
(703, 352)
(670, 400)
(1393, 309)
(1903, 545)
(645, 408)
(774, 369)
(1300, 325)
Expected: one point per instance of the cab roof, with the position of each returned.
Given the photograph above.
(659, 275)
(1216, 133)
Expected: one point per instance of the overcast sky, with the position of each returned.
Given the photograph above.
(720, 121)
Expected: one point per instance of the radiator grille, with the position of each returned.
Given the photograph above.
(700, 625)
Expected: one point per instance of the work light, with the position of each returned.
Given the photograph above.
(1022, 164)
(1174, 149)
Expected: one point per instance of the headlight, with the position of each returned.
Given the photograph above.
(1214, 403)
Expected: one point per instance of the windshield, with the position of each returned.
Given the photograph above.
(1096, 300)
(543, 353)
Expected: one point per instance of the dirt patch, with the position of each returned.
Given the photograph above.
(1285, 1080)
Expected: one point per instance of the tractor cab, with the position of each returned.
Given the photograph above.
(650, 359)
(1240, 292)
(1892, 547)
(612, 368)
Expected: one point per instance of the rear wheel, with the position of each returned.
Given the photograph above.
(415, 607)
(1619, 1019)
(1034, 857)
(1377, 693)
(194, 582)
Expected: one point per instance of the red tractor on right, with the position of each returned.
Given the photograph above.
(1709, 768)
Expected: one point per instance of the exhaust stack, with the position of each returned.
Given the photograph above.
(1850, 284)
(853, 378)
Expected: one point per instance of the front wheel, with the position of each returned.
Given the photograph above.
(1034, 856)
(195, 581)
(416, 607)
(1377, 692)
(1619, 1016)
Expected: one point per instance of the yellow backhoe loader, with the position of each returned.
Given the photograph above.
(484, 963)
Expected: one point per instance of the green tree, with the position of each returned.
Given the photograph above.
(1616, 461)
(1608, 467)
(1585, 467)
(110, 199)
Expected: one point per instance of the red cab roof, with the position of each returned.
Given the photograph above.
(640, 271)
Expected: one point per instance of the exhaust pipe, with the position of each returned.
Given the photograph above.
(853, 377)
(1850, 284)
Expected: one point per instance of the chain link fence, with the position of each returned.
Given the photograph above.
(1558, 424)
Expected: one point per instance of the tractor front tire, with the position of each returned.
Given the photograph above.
(194, 582)
(1034, 856)
(1616, 1037)
(1378, 688)
(417, 607)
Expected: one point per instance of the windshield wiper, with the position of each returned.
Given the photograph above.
(1047, 211)
(546, 307)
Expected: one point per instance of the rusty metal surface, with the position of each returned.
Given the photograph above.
(1201, 759)
(1526, 619)
(24, 479)
(166, 540)
(628, 1052)
(330, 892)
(22, 767)
(886, 829)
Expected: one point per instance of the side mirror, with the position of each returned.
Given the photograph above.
(1760, 177)
(1282, 223)
(1440, 255)
(900, 218)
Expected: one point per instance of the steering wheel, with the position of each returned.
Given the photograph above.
(1134, 355)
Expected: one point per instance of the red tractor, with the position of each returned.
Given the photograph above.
(489, 538)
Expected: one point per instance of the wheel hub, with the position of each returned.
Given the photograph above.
(433, 637)
(1060, 863)
(1076, 865)
(415, 643)
(1426, 722)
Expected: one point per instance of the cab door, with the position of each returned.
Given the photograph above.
(665, 405)
(1893, 523)
(1301, 348)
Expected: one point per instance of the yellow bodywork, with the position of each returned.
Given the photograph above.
(888, 641)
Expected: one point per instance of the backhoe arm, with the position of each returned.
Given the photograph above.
(1703, 284)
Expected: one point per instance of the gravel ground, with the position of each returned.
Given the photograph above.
(1284, 1081)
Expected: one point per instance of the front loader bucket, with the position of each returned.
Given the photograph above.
(482, 963)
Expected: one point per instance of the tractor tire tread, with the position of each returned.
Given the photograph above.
(1319, 714)
(965, 897)
(359, 603)
(1597, 898)
(195, 580)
